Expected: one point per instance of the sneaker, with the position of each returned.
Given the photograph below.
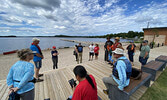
(106, 92)
(39, 80)
(40, 75)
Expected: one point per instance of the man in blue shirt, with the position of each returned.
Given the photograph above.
(121, 71)
(38, 56)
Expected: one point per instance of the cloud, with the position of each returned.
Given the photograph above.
(79, 17)
(45, 4)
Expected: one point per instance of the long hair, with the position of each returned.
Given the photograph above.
(81, 72)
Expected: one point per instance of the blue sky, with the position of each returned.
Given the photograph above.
(79, 17)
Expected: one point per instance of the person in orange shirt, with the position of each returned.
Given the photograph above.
(131, 51)
(109, 49)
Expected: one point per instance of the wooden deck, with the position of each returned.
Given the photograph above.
(56, 87)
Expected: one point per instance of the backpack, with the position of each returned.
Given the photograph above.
(136, 74)
(80, 48)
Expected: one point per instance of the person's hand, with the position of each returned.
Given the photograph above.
(73, 88)
(54, 54)
(10, 91)
(42, 57)
(15, 89)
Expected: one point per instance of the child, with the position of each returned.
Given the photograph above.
(54, 54)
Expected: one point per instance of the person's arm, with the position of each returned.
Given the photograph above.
(27, 76)
(147, 52)
(37, 54)
(77, 94)
(121, 73)
(145, 55)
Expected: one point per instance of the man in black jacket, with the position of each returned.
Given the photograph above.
(105, 48)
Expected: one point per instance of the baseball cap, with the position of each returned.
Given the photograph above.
(119, 51)
(145, 41)
(54, 47)
(35, 39)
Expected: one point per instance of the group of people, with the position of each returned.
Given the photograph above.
(21, 76)
(93, 50)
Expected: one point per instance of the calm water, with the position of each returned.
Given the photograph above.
(17, 43)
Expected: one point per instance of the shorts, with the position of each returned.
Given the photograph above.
(96, 54)
(91, 54)
(38, 64)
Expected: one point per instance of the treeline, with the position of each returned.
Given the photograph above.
(130, 34)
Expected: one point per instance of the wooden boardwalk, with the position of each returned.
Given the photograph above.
(56, 87)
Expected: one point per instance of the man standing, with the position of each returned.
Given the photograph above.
(105, 48)
(144, 53)
(131, 51)
(91, 51)
(37, 57)
(80, 50)
(121, 71)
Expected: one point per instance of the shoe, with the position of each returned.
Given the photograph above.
(39, 80)
(40, 75)
(106, 92)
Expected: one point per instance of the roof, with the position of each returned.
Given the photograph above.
(155, 28)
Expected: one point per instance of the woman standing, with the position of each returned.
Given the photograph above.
(96, 51)
(20, 76)
(131, 51)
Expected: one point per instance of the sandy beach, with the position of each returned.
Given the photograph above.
(66, 58)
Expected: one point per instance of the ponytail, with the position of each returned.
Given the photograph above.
(81, 72)
(90, 81)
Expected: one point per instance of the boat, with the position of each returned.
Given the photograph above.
(10, 52)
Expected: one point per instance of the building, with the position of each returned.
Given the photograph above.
(160, 34)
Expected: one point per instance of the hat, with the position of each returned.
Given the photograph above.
(131, 41)
(54, 47)
(35, 39)
(118, 51)
(117, 38)
(145, 41)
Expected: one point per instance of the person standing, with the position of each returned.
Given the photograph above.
(80, 50)
(96, 51)
(54, 54)
(20, 76)
(75, 53)
(91, 51)
(131, 51)
(38, 56)
(144, 53)
(121, 72)
(109, 49)
(105, 48)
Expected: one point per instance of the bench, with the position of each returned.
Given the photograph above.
(116, 94)
(161, 58)
(153, 67)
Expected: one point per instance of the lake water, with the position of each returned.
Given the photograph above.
(17, 43)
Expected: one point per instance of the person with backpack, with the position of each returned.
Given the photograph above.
(80, 50)
(121, 72)
(131, 51)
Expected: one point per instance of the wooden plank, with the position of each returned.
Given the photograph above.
(46, 92)
(3, 90)
(5, 96)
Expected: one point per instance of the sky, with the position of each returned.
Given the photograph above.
(79, 17)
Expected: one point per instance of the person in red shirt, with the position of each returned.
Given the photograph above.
(96, 51)
(86, 89)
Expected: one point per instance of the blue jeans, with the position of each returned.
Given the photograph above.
(130, 54)
(142, 60)
(110, 57)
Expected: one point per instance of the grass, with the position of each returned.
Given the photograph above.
(158, 91)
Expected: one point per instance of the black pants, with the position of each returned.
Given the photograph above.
(55, 61)
(76, 56)
(106, 56)
(130, 54)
